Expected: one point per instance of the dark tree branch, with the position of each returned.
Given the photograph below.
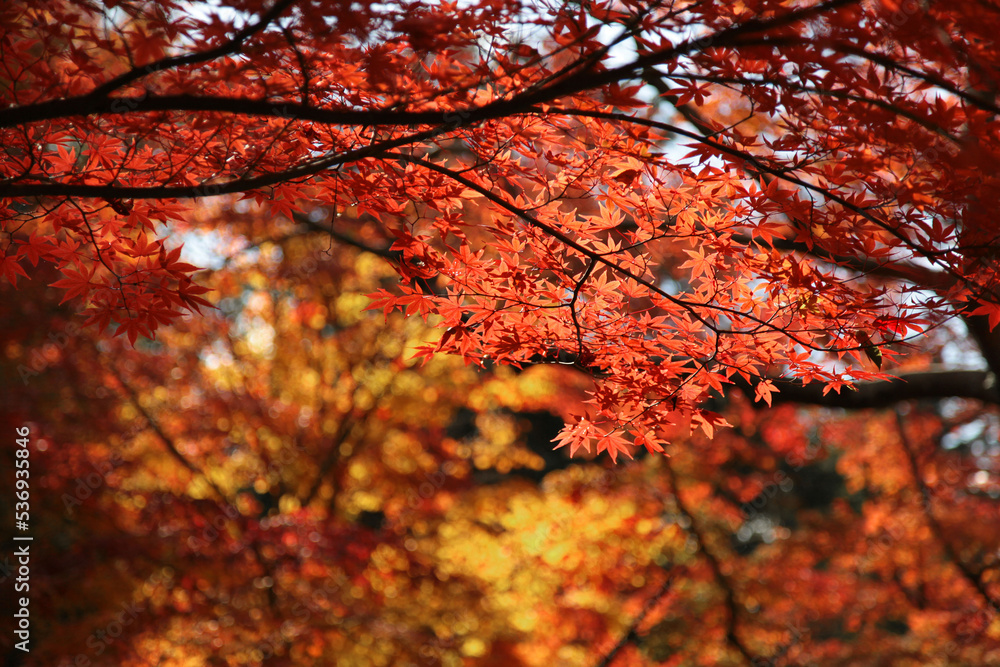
(973, 578)
(929, 385)
(230, 46)
(385, 252)
(692, 308)
(888, 63)
(86, 105)
(98, 101)
(760, 165)
(305, 170)
(629, 634)
(988, 341)
(911, 273)
(721, 580)
(157, 428)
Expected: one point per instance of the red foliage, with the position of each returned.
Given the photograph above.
(673, 199)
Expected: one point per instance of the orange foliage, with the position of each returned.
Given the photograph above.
(303, 300)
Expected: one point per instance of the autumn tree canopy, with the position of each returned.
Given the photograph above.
(671, 196)
(650, 220)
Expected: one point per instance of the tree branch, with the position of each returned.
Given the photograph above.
(310, 168)
(629, 634)
(973, 578)
(232, 45)
(721, 580)
(86, 105)
(929, 385)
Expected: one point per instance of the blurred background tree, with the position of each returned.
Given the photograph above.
(287, 478)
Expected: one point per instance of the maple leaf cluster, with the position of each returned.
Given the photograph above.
(282, 481)
(675, 197)
(757, 237)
